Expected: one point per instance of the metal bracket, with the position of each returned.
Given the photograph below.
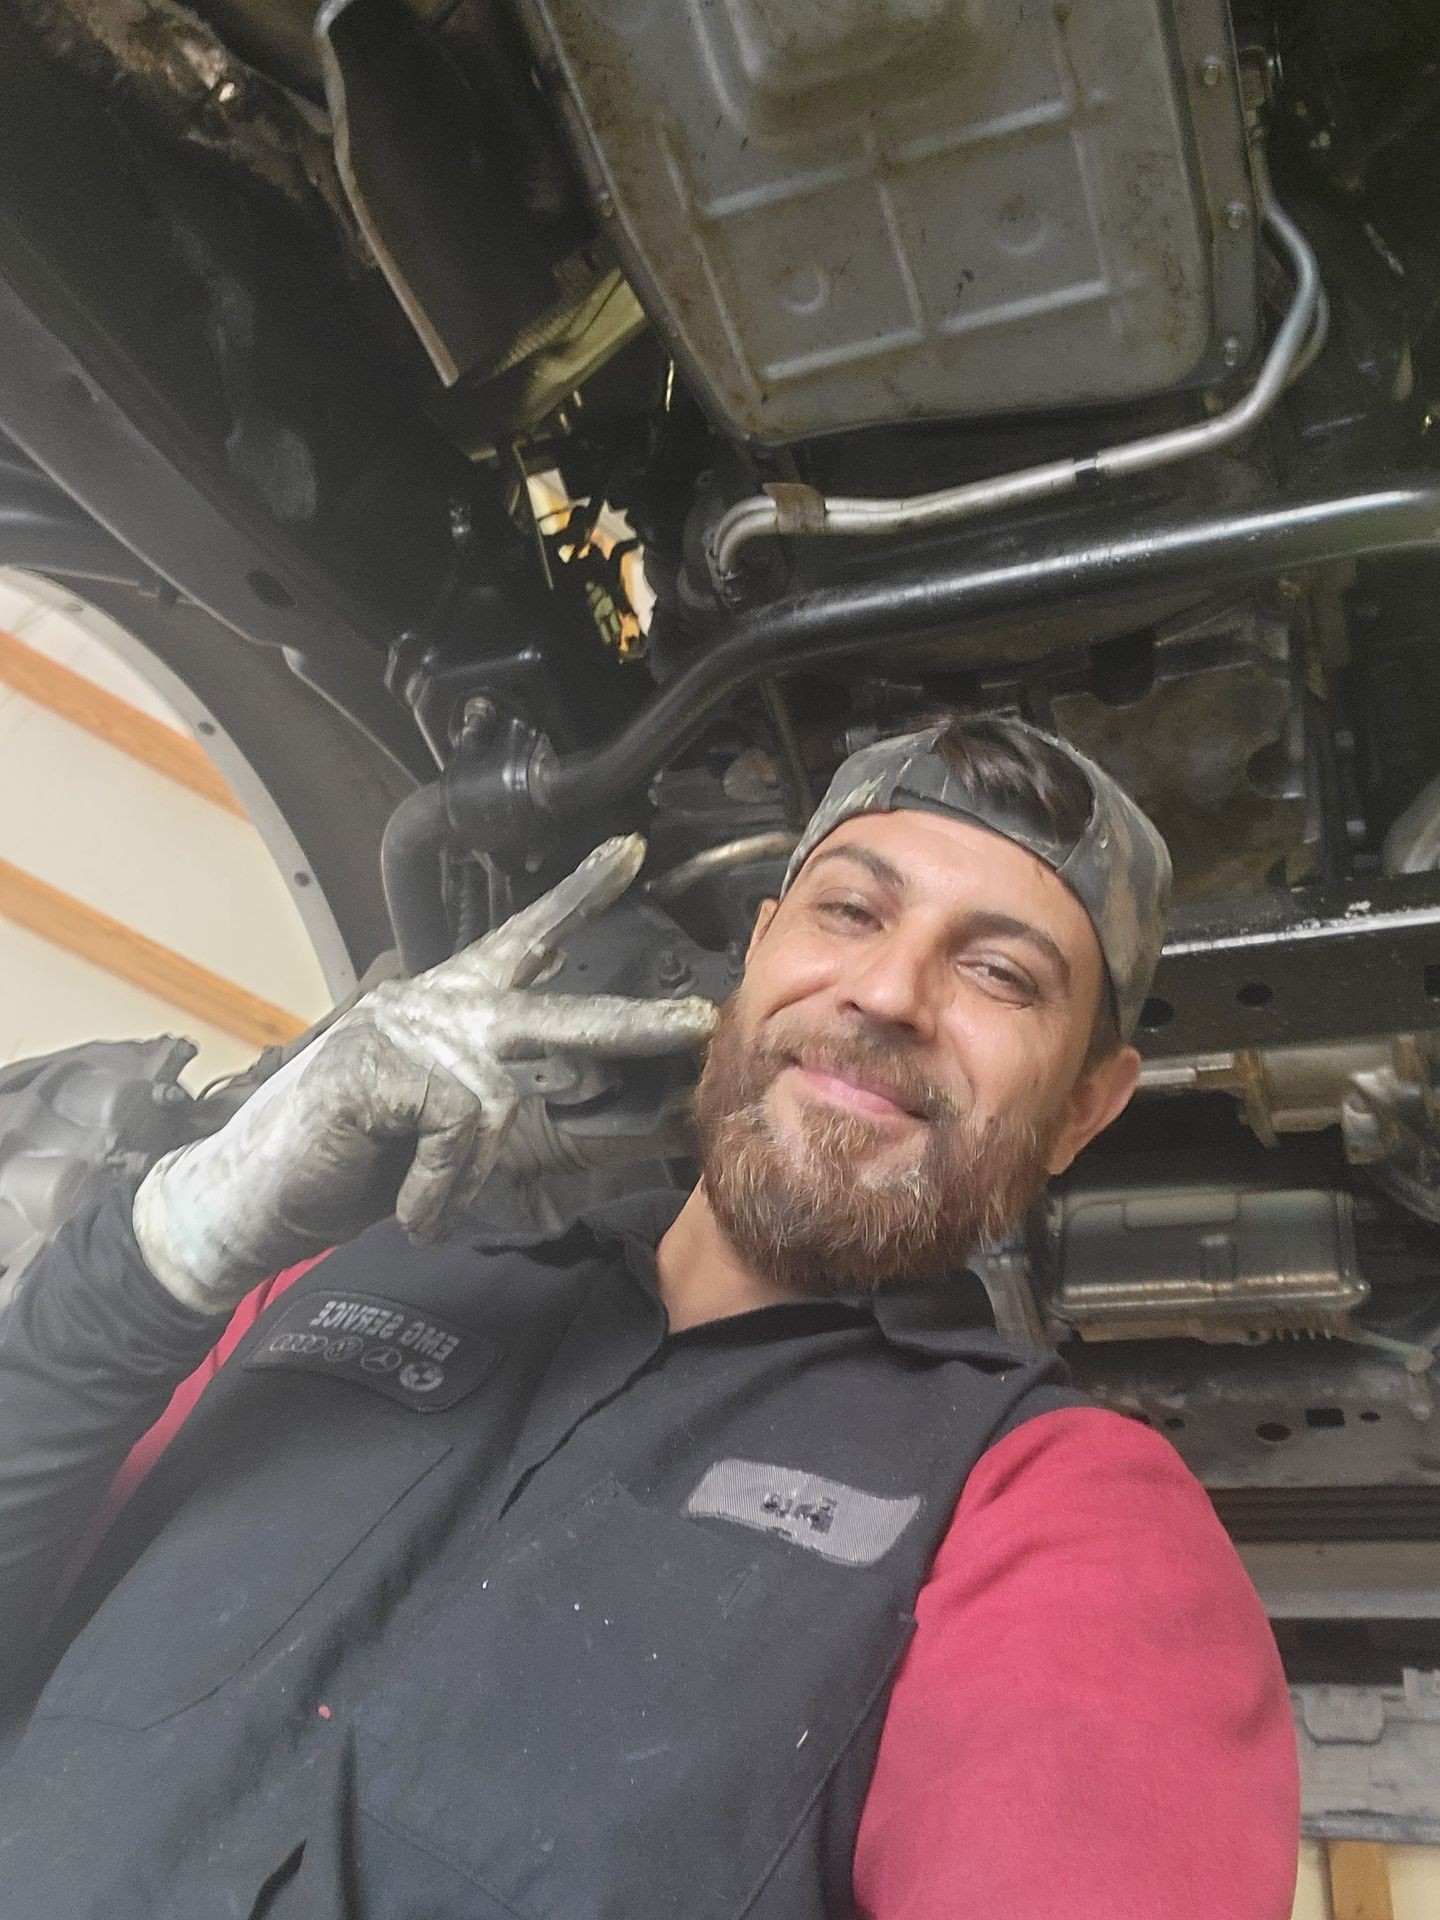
(1289, 968)
(464, 268)
(1370, 1760)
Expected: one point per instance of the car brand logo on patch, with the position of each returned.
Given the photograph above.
(386, 1346)
(298, 1343)
(422, 1377)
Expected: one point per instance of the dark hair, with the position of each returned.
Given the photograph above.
(1004, 761)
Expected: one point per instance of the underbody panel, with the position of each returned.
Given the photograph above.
(861, 213)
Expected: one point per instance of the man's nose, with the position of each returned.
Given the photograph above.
(893, 983)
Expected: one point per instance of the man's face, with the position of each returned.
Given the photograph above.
(903, 1062)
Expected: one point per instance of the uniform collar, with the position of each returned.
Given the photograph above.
(940, 1317)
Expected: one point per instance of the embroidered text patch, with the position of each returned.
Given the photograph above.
(409, 1357)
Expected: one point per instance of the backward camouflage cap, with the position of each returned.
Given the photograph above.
(1118, 867)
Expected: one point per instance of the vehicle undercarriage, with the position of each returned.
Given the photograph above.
(615, 413)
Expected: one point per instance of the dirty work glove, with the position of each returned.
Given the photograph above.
(416, 1069)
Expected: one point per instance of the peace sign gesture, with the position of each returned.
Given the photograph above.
(297, 1167)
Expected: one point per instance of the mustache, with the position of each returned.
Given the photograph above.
(865, 1056)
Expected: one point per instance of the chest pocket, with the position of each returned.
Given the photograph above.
(252, 1537)
(629, 1716)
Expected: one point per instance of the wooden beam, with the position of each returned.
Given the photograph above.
(82, 929)
(1359, 1880)
(113, 720)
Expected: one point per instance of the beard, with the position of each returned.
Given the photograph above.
(828, 1206)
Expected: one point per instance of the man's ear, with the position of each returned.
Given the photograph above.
(1099, 1096)
(768, 910)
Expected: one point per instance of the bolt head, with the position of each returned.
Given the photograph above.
(1231, 351)
(672, 970)
(1236, 215)
(1212, 67)
(478, 715)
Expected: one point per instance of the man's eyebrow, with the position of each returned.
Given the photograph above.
(875, 864)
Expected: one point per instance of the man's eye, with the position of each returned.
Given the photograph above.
(851, 912)
(1004, 979)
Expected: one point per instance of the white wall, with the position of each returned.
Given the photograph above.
(1414, 1885)
(87, 818)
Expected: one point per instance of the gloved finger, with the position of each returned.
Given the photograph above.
(514, 953)
(468, 1186)
(431, 1178)
(448, 1162)
(453, 1125)
(607, 1025)
(520, 1140)
(535, 1145)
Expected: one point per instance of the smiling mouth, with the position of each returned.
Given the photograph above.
(856, 1094)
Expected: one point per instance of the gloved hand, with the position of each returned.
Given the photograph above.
(416, 1064)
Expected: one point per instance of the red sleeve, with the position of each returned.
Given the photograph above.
(1091, 1719)
(149, 1447)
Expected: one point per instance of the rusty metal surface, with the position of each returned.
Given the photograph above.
(1290, 1445)
(1213, 749)
(276, 35)
(205, 93)
(1285, 1090)
(874, 212)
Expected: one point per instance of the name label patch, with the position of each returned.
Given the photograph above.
(840, 1523)
(409, 1357)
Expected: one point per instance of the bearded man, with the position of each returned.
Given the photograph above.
(705, 1560)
